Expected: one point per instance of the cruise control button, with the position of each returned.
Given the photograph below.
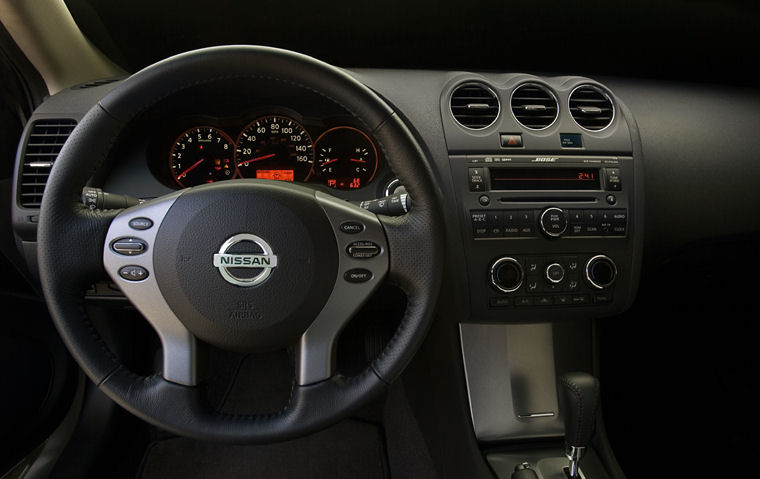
(140, 224)
(129, 246)
(351, 227)
(133, 273)
(357, 275)
(363, 249)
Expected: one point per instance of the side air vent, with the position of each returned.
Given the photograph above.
(42, 147)
(534, 106)
(474, 106)
(591, 108)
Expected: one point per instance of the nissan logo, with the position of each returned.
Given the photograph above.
(265, 260)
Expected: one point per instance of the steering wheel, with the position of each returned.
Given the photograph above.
(244, 265)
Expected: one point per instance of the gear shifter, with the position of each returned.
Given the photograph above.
(579, 401)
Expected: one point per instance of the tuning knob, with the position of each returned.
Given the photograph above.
(553, 222)
(506, 274)
(601, 272)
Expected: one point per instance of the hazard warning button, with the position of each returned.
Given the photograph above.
(509, 140)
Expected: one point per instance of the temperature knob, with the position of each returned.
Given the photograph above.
(601, 271)
(553, 222)
(506, 274)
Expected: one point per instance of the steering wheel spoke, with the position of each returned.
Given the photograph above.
(128, 259)
(362, 266)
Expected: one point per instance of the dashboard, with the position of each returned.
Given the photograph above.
(542, 180)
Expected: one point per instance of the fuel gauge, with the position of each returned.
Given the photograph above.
(346, 158)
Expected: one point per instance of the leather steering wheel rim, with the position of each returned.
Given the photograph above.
(71, 241)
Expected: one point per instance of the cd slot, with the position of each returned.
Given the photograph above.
(544, 199)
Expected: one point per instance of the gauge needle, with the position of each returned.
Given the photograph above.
(329, 161)
(256, 159)
(191, 168)
(357, 161)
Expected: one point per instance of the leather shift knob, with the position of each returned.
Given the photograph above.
(579, 400)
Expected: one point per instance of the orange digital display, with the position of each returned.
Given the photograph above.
(282, 175)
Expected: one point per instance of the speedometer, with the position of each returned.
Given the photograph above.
(275, 148)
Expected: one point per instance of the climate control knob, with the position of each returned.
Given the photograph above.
(553, 221)
(601, 272)
(506, 274)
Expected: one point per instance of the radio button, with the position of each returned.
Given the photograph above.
(591, 216)
(614, 183)
(575, 216)
(480, 230)
(477, 179)
(553, 222)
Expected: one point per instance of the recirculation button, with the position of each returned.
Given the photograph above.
(129, 246)
(363, 249)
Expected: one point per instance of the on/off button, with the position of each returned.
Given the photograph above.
(553, 222)
(357, 275)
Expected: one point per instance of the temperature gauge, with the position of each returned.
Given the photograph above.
(346, 158)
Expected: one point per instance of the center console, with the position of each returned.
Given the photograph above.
(547, 174)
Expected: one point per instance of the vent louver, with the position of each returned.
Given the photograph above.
(591, 108)
(534, 106)
(42, 147)
(474, 106)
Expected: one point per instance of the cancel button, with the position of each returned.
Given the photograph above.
(357, 275)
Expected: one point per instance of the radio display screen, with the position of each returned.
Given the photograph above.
(545, 179)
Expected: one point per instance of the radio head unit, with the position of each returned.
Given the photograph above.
(546, 238)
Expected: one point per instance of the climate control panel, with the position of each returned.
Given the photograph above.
(551, 280)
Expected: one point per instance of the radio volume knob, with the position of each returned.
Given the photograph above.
(506, 274)
(601, 271)
(553, 221)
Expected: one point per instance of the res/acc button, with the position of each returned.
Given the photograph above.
(363, 249)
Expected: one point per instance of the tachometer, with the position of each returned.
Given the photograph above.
(202, 155)
(275, 148)
(346, 158)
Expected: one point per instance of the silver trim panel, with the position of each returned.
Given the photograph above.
(316, 350)
(509, 371)
(179, 345)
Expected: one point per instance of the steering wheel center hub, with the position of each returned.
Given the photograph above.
(247, 265)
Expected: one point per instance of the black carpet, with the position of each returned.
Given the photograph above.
(350, 449)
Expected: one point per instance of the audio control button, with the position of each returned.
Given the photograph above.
(553, 222)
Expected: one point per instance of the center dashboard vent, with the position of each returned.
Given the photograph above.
(591, 108)
(474, 106)
(45, 141)
(534, 106)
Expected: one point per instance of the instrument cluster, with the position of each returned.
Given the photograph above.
(274, 147)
